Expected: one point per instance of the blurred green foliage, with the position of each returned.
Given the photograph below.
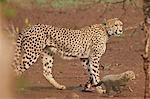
(3, 1)
(70, 3)
(41, 2)
(22, 83)
(75, 3)
(64, 3)
(113, 1)
(9, 12)
(105, 1)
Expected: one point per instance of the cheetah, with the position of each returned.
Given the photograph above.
(87, 44)
(114, 84)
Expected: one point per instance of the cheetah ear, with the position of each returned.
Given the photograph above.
(116, 18)
(104, 22)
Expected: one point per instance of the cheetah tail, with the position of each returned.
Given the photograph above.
(17, 54)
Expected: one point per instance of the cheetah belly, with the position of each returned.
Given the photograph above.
(73, 54)
(65, 54)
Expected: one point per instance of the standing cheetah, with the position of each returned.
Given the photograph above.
(87, 44)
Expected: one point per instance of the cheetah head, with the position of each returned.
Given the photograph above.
(129, 75)
(114, 27)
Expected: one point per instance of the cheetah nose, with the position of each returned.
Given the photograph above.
(133, 78)
(120, 30)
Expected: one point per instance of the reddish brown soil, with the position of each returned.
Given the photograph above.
(122, 53)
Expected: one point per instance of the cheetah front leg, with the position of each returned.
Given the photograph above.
(47, 69)
(93, 70)
(92, 65)
(85, 63)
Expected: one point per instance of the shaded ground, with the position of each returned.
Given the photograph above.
(122, 53)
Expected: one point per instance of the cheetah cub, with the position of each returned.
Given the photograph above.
(113, 84)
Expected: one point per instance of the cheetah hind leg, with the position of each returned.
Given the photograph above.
(47, 69)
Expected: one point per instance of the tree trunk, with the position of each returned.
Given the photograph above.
(146, 56)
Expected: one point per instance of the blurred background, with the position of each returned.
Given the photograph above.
(123, 53)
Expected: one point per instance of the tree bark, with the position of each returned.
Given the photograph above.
(146, 55)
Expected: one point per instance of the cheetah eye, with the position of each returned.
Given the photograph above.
(116, 25)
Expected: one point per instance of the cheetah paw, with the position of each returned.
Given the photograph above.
(61, 87)
(88, 89)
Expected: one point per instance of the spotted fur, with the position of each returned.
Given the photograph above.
(87, 44)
